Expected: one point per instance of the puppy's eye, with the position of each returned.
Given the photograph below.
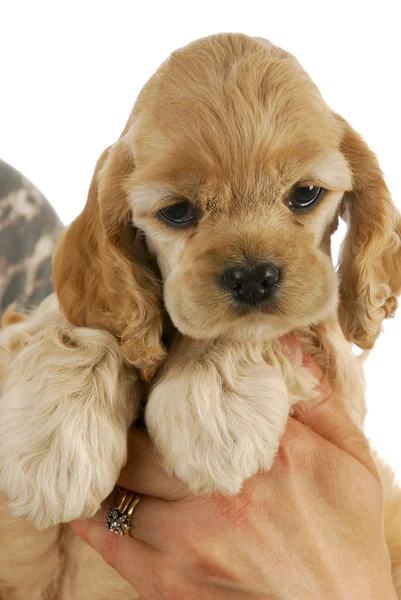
(178, 215)
(303, 197)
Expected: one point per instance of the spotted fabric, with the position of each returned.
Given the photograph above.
(29, 228)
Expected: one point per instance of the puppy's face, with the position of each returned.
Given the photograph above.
(236, 170)
(237, 186)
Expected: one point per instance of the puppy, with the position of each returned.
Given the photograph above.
(205, 237)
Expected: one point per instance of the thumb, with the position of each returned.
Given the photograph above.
(325, 415)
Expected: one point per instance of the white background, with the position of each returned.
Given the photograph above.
(70, 73)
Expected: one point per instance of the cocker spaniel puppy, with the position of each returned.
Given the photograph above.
(205, 237)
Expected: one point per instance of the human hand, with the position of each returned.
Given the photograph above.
(312, 527)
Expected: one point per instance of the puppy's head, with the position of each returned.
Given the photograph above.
(232, 171)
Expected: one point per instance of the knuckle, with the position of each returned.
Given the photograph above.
(295, 447)
(170, 583)
(214, 562)
(238, 510)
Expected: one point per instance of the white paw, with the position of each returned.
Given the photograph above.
(65, 409)
(216, 425)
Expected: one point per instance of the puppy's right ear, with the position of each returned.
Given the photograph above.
(370, 260)
(100, 269)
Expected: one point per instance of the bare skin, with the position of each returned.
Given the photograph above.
(311, 528)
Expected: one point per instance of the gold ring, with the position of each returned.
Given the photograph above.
(120, 515)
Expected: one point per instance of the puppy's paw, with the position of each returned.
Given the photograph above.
(217, 421)
(65, 409)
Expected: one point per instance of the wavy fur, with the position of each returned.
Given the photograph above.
(232, 124)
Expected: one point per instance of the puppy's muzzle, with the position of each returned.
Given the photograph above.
(251, 284)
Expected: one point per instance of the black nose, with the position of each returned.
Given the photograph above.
(251, 284)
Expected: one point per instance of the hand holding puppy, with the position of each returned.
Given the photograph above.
(312, 527)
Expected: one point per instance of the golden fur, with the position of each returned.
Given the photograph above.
(231, 123)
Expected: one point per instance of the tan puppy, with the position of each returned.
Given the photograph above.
(205, 237)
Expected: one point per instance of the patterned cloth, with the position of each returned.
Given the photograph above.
(29, 228)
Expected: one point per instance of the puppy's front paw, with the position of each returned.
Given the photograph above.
(216, 424)
(65, 409)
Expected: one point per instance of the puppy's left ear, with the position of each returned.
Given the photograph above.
(102, 271)
(370, 260)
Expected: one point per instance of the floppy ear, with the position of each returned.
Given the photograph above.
(370, 260)
(101, 267)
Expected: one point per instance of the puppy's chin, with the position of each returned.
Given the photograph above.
(255, 326)
(237, 330)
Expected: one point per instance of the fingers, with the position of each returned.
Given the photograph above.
(152, 521)
(325, 415)
(134, 560)
(144, 474)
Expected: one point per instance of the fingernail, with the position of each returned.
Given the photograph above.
(292, 349)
